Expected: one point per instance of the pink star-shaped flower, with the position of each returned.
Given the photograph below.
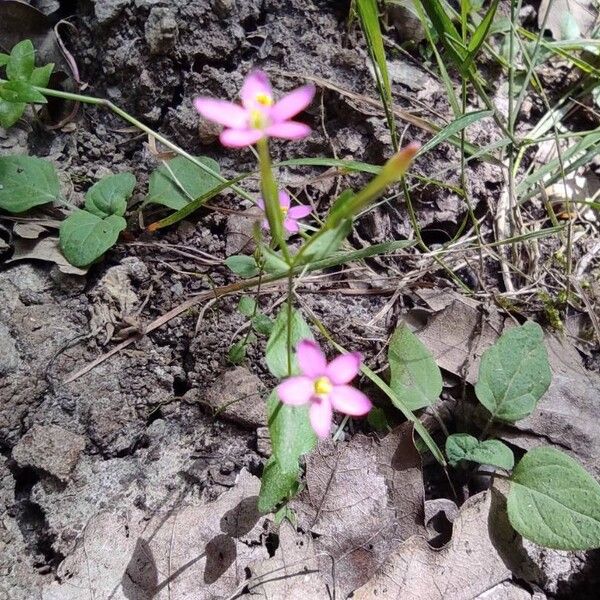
(259, 115)
(324, 386)
(290, 214)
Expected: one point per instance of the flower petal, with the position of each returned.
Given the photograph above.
(222, 112)
(299, 212)
(293, 103)
(349, 400)
(311, 359)
(284, 199)
(238, 138)
(288, 130)
(295, 390)
(321, 415)
(291, 226)
(260, 203)
(255, 84)
(344, 368)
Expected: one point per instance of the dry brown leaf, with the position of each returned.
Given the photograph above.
(46, 249)
(362, 499)
(467, 566)
(292, 574)
(198, 552)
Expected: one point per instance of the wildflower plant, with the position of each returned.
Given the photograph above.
(552, 499)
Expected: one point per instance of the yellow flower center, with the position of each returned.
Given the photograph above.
(258, 119)
(264, 99)
(322, 386)
(284, 210)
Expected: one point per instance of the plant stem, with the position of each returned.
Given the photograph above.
(271, 197)
(127, 117)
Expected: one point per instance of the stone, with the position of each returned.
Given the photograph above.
(51, 449)
(161, 30)
(238, 396)
(107, 10)
(9, 356)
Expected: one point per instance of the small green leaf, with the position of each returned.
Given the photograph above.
(25, 182)
(415, 376)
(180, 181)
(41, 75)
(242, 265)
(554, 502)
(247, 306)
(327, 243)
(237, 352)
(514, 373)
(21, 61)
(461, 446)
(109, 195)
(10, 113)
(276, 354)
(276, 486)
(377, 419)
(262, 324)
(85, 237)
(21, 91)
(291, 432)
(273, 261)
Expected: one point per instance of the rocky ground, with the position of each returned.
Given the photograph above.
(122, 483)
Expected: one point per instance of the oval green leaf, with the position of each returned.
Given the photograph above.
(461, 446)
(85, 237)
(21, 61)
(10, 113)
(415, 377)
(25, 182)
(109, 195)
(554, 502)
(514, 373)
(180, 181)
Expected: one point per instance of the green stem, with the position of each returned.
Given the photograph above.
(271, 197)
(127, 117)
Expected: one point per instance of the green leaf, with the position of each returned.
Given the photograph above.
(25, 182)
(291, 432)
(262, 324)
(453, 128)
(327, 243)
(461, 446)
(21, 91)
(480, 34)
(242, 265)
(273, 262)
(377, 419)
(247, 306)
(41, 75)
(514, 373)
(415, 376)
(554, 502)
(276, 354)
(10, 113)
(21, 61)
(85, 237)
(180, 181)
(237, 352)
(109, 195)
(276, 486)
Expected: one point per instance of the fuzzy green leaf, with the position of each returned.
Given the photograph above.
(262, 324)
(21, 61)
(276, 354)
(242, 265)
(10, 113)
(276, 486)
(247, 306)
(25, 182)
(415, 376)
(554, 502)
(179, 181)
(85, 237)
(21, 91)
(461, 446)
(514, 373)
(326, 245)
(109, 195)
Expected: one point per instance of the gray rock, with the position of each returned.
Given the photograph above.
(237, 396)
(9, 357)
(51, 449)
(161, 30)
(107, 10)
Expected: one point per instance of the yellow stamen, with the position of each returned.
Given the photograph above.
(322, 386)
(257, 119)
(264, 99)
(284, 210)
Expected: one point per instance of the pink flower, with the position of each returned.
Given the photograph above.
(259, 116)
(290, 215)
(324, 386)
